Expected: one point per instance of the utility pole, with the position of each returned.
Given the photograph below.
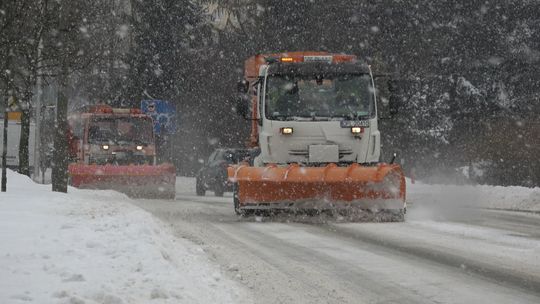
(4, 148)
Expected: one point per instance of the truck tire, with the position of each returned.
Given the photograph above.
(236, 201)
(392, 215)
(219, 189)
(199, 188)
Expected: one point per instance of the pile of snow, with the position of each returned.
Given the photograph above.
(96, 247)
(480, 196)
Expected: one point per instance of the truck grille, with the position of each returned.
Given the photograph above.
(305, 152)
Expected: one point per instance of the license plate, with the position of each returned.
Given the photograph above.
(354, 123)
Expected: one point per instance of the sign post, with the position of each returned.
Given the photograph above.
(10, 102)
(4, 151)
(163, 114)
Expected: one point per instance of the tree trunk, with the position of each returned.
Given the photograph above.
(24, 164)
(60, 155)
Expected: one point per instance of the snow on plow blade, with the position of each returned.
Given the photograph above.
(331, 187)
(146, 181)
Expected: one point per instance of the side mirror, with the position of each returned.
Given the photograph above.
(242, 86)
(242, 103)
(387, 99)
(394, 156)
(242, 106)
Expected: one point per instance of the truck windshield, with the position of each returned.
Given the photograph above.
(343, 97)
(121, 130)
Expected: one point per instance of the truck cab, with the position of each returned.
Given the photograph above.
(313, 108)
(104, 135)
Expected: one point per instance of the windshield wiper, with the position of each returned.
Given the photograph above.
(363, 117)
(280, 117)
(285, 117)
(349, 116)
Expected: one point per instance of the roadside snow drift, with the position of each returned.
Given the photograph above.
(479, 196)
(96, 247)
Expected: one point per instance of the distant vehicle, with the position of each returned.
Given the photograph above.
(213, 175)
(114, 148)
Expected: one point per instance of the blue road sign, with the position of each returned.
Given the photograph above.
(163, 113)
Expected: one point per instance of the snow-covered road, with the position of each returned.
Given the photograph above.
(98, 247)
(442, 254)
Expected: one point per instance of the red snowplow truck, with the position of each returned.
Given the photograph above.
(314, 133)
(115, 149)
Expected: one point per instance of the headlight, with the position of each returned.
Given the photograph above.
(139, 148)
(286, 130)
(105, 147)
(357, 130)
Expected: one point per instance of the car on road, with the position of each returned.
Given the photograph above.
(213, 175)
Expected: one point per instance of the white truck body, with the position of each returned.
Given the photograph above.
(314, 141)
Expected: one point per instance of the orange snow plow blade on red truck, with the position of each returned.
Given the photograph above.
(380, 187)
(137, 181)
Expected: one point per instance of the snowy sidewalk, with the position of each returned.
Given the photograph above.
(96, 247)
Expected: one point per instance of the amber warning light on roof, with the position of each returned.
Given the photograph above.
(307, 59)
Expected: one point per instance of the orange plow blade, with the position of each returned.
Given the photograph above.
(147, 181)
(363, 187)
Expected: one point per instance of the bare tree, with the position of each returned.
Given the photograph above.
(68, 46)
(11, 13)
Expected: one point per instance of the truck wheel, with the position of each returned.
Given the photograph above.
(236, 200)
(219, 189)
(199, 188)
(392, 215)
(400, 215)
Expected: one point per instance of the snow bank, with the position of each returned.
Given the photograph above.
(510, 198)
(96, 247)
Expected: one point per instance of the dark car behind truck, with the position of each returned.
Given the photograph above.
(213, 175)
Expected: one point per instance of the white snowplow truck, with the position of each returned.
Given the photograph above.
(314, 126)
